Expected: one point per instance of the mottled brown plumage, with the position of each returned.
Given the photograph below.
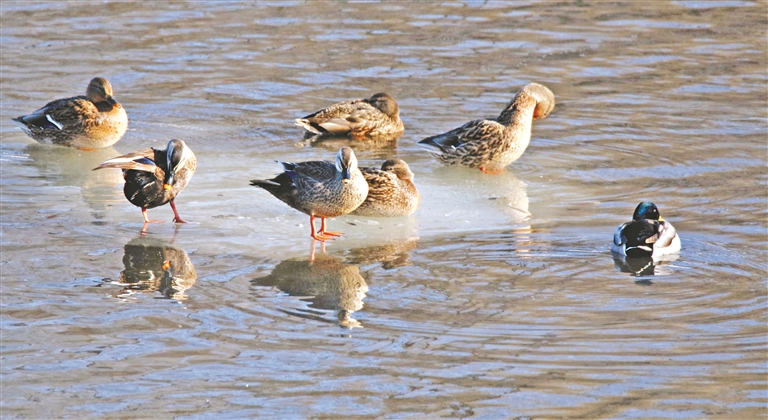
(319, 188)
(376, 116)
(492, 144)
(391, 192)
(93, 121)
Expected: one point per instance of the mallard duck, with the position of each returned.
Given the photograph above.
(154, 177)
(319, 188)
(492, 144)
(373, 117)
(93, 121)
(391, 192)
(648, 234)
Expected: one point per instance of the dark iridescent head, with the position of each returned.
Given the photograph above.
(345, 162)
(385, 103)
(100, 90)
(175, 156)
(646, 210)
(398, 167)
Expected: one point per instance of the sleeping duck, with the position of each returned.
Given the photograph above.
(359, 118)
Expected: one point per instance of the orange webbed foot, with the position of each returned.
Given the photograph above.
(492, 171)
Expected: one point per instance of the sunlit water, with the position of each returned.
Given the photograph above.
(498, 298)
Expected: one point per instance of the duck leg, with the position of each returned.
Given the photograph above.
(324, 233)
(312, 251)
(493, 171)
(176, 217)
(321, 234)
(146, 218)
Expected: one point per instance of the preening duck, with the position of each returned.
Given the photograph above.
(492, 144)
(154, 177)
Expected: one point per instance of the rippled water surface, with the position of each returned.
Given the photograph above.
(498, 298)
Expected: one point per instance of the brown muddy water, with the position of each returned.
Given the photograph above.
(498, 298)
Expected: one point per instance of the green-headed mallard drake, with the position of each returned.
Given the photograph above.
(648, 234)
(492, 144)
(319, 188)
(373, 117)
(391, 192)
(154, 177)
(93, 121)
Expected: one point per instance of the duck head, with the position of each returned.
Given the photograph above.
(385, 103)
(345, 163)
(176, 154)
(399, 168)
(100, 90)
(646, 210)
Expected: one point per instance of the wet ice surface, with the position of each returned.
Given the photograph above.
(498, 298)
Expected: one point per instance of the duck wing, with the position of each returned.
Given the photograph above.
(142, 160)
(471, 134)
(339, 118)
(61, 113)
(638, 237)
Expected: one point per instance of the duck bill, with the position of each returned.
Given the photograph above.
(661, 219)
(345, 177)
(112, 101)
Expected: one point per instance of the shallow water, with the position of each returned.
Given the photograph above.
(498, 298)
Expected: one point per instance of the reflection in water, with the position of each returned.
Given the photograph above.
(331, 283)
(153, 265)
(68, 166)
(644, 266)
(391, 255)
(514, 196)
(334, 143)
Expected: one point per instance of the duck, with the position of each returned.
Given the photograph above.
(93, 121)
(647, 235)
(391, 192)
(492, 144)
(154, 177)
(320, 189)
(376, 116)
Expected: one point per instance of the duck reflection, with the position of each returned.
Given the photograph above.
(153, 265)
(391, 255)
(327, 282)
(334, 143)
(643, 266)
(68, 166)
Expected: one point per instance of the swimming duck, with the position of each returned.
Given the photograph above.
(391, 192)
(648, 234)
(93, 121)
(492, 144)
(372, 117)
(319, 188)
(154, 177)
